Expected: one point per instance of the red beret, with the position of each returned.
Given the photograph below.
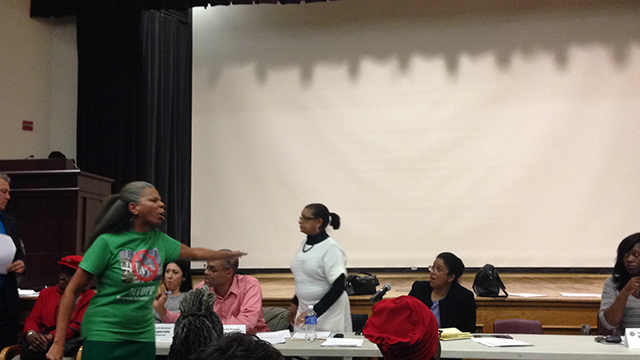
(403, 328)
(72, 261)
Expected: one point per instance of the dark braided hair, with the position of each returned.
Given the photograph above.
(238, 346)
(197, 325)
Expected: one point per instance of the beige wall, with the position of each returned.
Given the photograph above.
(503, 131)
(38, 82)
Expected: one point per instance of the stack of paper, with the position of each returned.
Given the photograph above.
(580, 295)
(275, 337)
(493, 342)
(453, 334)
(343, 342)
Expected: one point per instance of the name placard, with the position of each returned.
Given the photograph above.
(633, 337)
(164, 332)
(229, 329)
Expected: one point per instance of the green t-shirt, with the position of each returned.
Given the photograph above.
(128, 268)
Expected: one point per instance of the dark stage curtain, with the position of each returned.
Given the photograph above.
(56, 8)
(134, 102)
(166, 44)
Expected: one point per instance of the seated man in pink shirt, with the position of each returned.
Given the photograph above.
(238, 297)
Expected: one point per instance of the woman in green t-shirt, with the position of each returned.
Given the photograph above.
(126, 259)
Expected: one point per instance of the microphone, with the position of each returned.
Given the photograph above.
(378, 296)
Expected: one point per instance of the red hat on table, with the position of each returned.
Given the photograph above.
(72, 261)
(403, 328)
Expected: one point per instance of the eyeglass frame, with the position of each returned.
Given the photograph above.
(304, 218)
(209, 267)
(431, 269)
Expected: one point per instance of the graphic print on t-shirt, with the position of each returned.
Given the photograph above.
(140, 266)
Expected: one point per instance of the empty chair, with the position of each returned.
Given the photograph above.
(517, 326)
(358, 321)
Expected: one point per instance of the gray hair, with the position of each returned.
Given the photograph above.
(115, 216)
(232, 264)
(5, 177)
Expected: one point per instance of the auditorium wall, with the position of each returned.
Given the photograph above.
(503, 131)
(38, 82)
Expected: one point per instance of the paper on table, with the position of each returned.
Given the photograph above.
(319, 334)
(343, 342)
(501, 342)
(580, 295)
(453, 334)
(27, 293)
(275, 337)
(7, 252)
(527, 295)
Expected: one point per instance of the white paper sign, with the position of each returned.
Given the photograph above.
(633, 337)
(230, 329)
(164, 332)
(7, 252)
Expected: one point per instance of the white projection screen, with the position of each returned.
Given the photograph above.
(507, 136)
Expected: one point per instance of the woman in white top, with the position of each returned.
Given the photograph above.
(620, 305)
(320, 271)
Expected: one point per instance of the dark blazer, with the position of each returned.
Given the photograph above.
(11, 298)
(457, 309)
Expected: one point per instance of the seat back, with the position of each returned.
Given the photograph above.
(276, 318)
(10, 352)
(517, 326)
(358, 321)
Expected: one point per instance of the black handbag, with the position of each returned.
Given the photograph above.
(488, 283)
(361, 285)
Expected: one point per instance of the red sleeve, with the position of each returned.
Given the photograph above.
(78, 314)
(75, 322)
(34, 320)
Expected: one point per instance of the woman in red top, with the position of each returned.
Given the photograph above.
(40, 326)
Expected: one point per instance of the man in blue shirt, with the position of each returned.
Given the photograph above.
(9, 299)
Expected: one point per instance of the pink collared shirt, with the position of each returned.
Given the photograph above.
(242, 305)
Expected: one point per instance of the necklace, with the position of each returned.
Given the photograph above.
(304, 250)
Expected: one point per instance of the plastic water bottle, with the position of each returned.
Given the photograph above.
(310, 323)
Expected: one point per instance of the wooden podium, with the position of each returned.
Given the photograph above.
(56, 205)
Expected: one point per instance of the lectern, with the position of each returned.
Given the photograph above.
(56, 205)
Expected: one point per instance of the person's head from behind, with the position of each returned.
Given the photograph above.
(446, 269)
(237, 346)
(197, 325)
(5, 189)
(404, 328)
(627, 261)
(177, 276)
(219, 273)
(316, 217)
(68, 266)
(137, 204)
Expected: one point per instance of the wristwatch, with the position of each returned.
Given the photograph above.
(29, 333)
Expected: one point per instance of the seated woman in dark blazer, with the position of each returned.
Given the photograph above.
(452, 304)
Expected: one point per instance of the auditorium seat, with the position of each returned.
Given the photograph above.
(10, 352)
(358, 321)
(13, 353)
(276, 318)
(517, 326)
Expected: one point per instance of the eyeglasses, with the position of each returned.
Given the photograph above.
(212, 269)
(435, 270)
(304, 218)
